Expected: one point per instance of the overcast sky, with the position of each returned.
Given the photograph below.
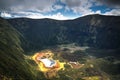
(58, 9)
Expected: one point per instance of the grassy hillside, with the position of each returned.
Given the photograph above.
(12, 62)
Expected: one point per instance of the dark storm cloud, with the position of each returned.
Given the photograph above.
(110, 3)
(7, 4)
(72, 3)
(21, 5)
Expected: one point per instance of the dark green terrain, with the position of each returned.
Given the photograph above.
(92, 30)
(22, 36)
(13, 65)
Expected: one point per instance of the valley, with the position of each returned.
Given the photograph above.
(85, 48)
(80, 64)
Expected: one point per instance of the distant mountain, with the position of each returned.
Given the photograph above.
(93, 30)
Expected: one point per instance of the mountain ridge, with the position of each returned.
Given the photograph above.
(92, 30)
(62, 20)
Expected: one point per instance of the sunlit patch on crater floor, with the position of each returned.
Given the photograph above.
(47, 64)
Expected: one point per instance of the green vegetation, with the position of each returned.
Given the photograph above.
(19, 37)
(93, 30)
(12, 62)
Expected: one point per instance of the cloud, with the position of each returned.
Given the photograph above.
(115, 12)
(7, 15)
(36, 8)
(84, 7)
(57, 16)
(23, 5)
(109, 3)
(71, 3)
(56, 7)
(78, 6)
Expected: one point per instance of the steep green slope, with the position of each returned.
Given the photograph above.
(12, 62)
